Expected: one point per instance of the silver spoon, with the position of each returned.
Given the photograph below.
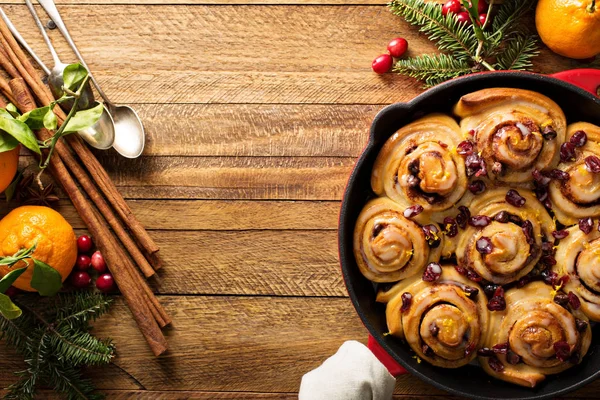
(130, 137)
(102, 134)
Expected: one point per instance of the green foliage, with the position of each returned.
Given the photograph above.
(505, 44)
(46, 280)
(54, 338)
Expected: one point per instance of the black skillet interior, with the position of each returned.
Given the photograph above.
(470, 380)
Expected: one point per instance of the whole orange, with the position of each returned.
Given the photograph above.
(56, 241)
(9, 161)
(570, 28)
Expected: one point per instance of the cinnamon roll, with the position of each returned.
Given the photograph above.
(578, 196)
(578, 257)
(389, 246)
(503, 240)
(515, 131)
(534, 336)
(419, 165)
(442, 318)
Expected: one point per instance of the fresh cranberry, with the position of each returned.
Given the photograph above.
(482, 19)
(579, 139)
(502, 216)
(105, 283)
(463, 18)
(562, 350)
(495, 364)
(548, 132)
(432, 273)
(12, 292)
(527, 228)
(413, 211)
(586, 225)
(98, 262)
(561, 299)
(567, 152)
(465, 148)
(473, 276)
(485, 352)
(382, 64)
(480, 221)
(574, 301)
(559, 175)
(540, 178)
(451, 227)
(397, 47)
(83, 262)
(471, 292)
(406, 301)
(581, 324)
(500, 348)
(482, 7)
(560, 234)
(451, 7)
(484, 245)
(477, 187)
(84, 244)
(592, 164)
(513, 358)
(432, 235)
(514, 198)
(80, 279)
(434, 329)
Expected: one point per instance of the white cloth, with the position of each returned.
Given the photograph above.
(353, 373)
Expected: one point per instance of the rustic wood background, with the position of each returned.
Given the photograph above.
(255, 111)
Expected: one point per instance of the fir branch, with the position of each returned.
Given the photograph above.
(449, 35)
(83, 309)
(508, 21)
(68, 380)
(433, 69)
(80, 348)
(518, 53)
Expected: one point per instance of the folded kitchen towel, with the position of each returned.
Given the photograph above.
(353, 373)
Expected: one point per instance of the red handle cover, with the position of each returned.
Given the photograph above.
(387, 360)
(586, 78)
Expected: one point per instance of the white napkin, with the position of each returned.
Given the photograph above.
(353, 373)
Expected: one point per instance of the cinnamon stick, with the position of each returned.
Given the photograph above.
(7, 65)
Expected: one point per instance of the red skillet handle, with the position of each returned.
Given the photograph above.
(387, 360)
(586, 78)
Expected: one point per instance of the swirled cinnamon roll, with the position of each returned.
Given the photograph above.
(534, 336)
(578, 195)
(503, 240)
(578, 257)
(389, 246)
(515, 131)
(442, 315)
(419, 165)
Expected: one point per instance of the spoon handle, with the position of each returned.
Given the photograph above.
(53, 13)
(22, 41)
(43, 32)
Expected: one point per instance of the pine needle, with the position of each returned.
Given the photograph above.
(518, 53)
(433, 69)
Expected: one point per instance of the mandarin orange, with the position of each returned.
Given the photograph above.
(9, 161)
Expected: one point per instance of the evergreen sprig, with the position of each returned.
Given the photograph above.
(54, 338)
(465, 49)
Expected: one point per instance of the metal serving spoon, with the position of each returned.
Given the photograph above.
(102, 134)
(130, 137)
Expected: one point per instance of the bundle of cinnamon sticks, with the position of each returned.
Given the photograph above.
(128, 248)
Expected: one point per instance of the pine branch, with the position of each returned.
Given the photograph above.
(433, 69)
(507, 22)
(83, 309)
(449, 35)
(68, 381)
(518, 53)
(80, 348)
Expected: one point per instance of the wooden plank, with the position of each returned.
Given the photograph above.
(279, 54)
(219, 215)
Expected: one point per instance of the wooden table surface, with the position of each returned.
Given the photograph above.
(255, 114)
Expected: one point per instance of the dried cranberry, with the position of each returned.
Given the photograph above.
(567, 152)
(515, 219)
(513, 358)
(406, 301)
(592, 164)
(495, 364)
(497, 302)
(482, 169)
(574, 301)
(469, 349)
(489, 289)
(414, 167)
(413, 181)
(474, 276)
(432, 273)
(460, 270)
(432, 235)
(472, 132)
(524, 281)
(586, 225)
(484, 245)
(540, 177)
(413, 211)
(485, 352)
(497, 168)
(562, 281)
(477, 187)
(562, 350)
(581, 324)
(527, 228)
(579, 139)
(561, 299)
(434, 329)
(559, 175)
(548, 248)
(475, 164)
(514, 198)
(451, 227)
(461, 220)
(574, 359)
(548, 132)
(501, 348)
(465, 148)
(541, 192)
(560, 234)
(549, 277)
(427, 350)
(548, 260)
(378, 228)
(471, 292)
(480, 221)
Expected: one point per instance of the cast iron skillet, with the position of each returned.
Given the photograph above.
(470, 381)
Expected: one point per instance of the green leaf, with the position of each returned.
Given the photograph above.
(8, 309)
(10, 112)
(84, 119)
(20, 131)
(73, 75)
(50, 120)
(10, 278)
(46, 280)
(9, 192)
(7, 142)
(34, 119)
